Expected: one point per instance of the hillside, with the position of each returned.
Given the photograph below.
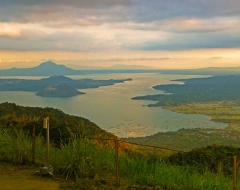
(216, 88)
(62, 125)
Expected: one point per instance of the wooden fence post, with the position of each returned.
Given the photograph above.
(33, 144)
(234, 172)
(117, 165)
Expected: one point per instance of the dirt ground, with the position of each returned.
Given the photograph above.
(23, 178)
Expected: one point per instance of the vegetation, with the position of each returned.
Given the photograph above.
(93, 167)
(223, 111)
(188, 139)
(216, 97)
(217, 88)
(38, 85)
(216, 158)
(62, 125)
(89, 163)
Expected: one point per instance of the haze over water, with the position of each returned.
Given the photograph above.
(112, 109)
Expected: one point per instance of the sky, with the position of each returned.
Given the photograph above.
(168, 34)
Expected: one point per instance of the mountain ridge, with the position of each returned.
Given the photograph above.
(50, 68)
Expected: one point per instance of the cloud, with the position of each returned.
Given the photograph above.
(38, 38)
(103, 25)
(118, 10)
(153, 10)
(192, 41)
(79, 3)
(186, 25)
(190, 25)
(9, 31)
(126, 59)
(216, 58)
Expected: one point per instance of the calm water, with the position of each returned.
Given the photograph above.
(112, 109)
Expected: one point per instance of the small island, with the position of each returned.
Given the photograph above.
(61, 90)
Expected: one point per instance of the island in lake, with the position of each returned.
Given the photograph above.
(61, 90)
(55, 86)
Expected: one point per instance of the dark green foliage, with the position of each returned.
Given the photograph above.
(217, 88)
(62, 126)
(188, 139)
(212, 158)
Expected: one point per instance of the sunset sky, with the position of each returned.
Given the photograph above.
(162, 33)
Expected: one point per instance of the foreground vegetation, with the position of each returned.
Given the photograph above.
(92, 167)
(82, 159)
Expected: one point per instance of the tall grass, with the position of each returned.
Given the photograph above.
(80, 158)
(16, 146)
(160, 173)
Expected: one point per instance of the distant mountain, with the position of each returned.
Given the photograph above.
(44, 69)
(50, 68)
(61, 90)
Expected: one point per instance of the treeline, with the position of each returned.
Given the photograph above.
(217, 88)
(62, 126)
(215, 158)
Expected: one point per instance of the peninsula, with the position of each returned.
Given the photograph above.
(216, 88)
(55, 86)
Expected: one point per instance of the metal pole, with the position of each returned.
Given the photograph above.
(234, 172)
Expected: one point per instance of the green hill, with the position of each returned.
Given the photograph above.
(62, 125)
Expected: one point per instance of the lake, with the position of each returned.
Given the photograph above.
(112, 109)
